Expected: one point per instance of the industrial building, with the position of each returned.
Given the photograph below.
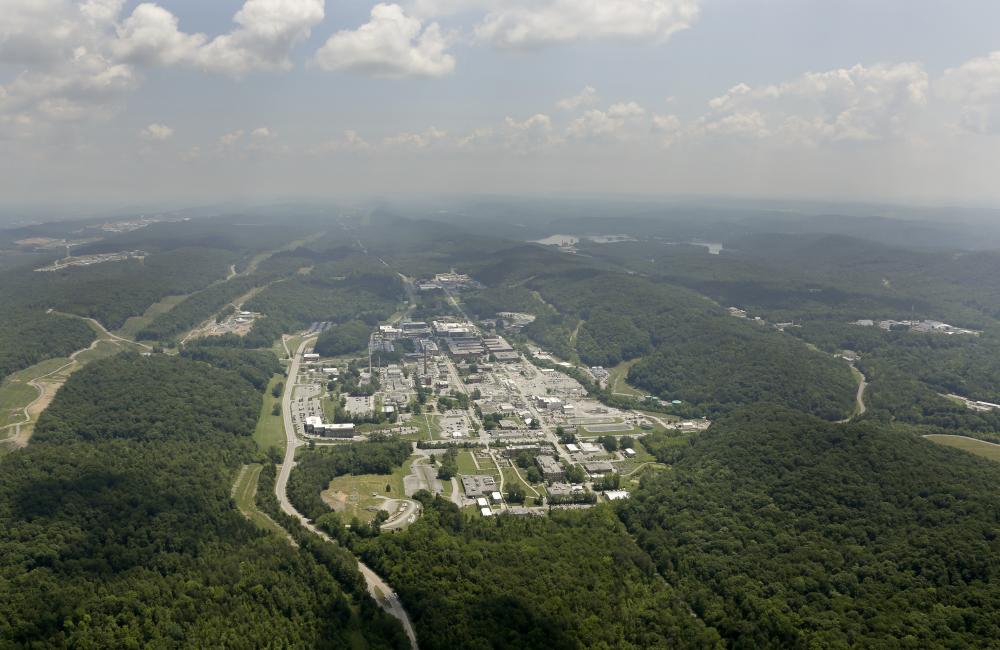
(478, 485)
(316, 426)
(550, 468)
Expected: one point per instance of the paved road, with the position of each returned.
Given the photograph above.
(951, 435)
(377, 587)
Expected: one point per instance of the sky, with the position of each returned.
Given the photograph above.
(117, 101)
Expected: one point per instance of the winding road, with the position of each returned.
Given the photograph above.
(377, 587)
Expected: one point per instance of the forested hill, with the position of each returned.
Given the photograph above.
(119, 530)
(784, 531)
(689, 347)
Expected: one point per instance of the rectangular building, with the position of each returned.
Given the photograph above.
(478, 485)
(550, 468)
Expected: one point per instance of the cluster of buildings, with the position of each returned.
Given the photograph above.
(449, 282)
(924, 326)
(90, 260)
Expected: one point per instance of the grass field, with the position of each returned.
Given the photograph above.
(133, 325)
(14, 396)
(977, 447)
(245, 493)
(616, 379)
(428, 427)
(270, 431)
(353, 494)
(465, 463)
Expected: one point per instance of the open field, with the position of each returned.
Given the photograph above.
(428, 427)
(465, 463)
(598, 430)
(619, 427)
(270, 431)
(978, 447)
(133, 325)
(616, 379)
(245, 493)
(352, 495)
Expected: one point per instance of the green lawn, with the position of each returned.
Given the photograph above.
(270, 431)
(245, 493)
(465, 463)
(428, 427)
(977, 447)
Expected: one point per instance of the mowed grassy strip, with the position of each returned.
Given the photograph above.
(133, 325)
(977, 447)
(616, 379)
(245, 493)
(270, 431)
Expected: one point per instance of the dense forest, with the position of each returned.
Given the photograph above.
(114, 291)
(574, 579)
(784, 531)
(910, 374)
(28, 337)
(345, 338)
(120, 530)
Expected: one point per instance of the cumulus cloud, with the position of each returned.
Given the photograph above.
(616, 121)
(156, 132)
(848, 104)
(150, 36)
(667, 127)
(231, 138)
(534, 23)
(74, 60)
(391, 44)
(586, 97)
(266, 32)
(415, 140)
(974, 87)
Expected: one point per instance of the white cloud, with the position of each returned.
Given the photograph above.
(231, 138)
(848, 104)
(533, 23)
(262, 133)
(668, 127)
(74, 60)
(350, 140)
(156, 132)
(391, 44)
(617, 121)
(415, 140)
(587, 97)
(266, 33)
(150, 36)
(974, 87)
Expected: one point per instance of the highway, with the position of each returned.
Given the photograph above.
(377, 587)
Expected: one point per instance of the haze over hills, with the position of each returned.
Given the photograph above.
(665, 413)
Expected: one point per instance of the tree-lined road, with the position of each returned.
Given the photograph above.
(377, 587)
